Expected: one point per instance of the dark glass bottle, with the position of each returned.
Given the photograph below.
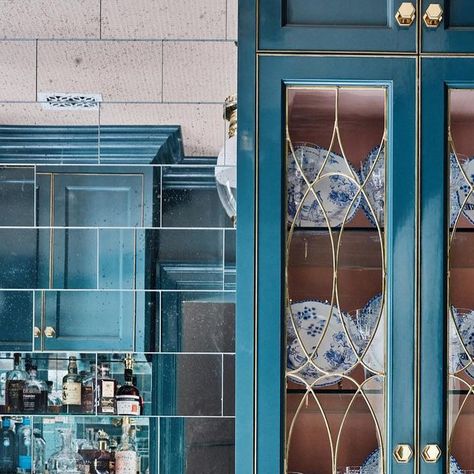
(128, 399)
(72, 388)
(88, 451)
(88, 390)
(35, 393)
(106, 391)
(15, 382)
(102, 460)
(7, 448)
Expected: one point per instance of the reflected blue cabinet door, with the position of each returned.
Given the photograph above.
(338, 25)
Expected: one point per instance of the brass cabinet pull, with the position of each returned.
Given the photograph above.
(49, 332)
(406, 14)
(433, 15)
(431, 453)
(403, 453)
(37, 331)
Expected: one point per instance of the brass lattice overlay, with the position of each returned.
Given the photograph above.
(335, 260)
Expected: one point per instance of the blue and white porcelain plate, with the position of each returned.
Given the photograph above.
(334, 355)
(454, 467)
(457, 186)
(361, 332)
(375, 185)
(464, 188)
(461, 325)
(337, 192)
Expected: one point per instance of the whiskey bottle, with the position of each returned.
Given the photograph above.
(88, 451)
(126, 458)
(35, 393)
(113, 449)
(128, 399)
(54, 399)
(88, 390)
(72, 388)
(102, 459)
(106, 391)
(15, 382)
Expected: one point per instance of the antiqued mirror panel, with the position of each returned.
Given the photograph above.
(336, 287)
(460, 311)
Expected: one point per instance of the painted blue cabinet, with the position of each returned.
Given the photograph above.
(344, 157)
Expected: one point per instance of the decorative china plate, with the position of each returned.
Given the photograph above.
(361, 332)
(464, 188)
(336, 191)
(375, 186)
(464, 322)
(457, 187)
(335, 353)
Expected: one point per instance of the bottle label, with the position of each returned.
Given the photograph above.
(108, 389)
(125, 462)
(71, 393)
(14, 395)
(107, 396)
(128, 405)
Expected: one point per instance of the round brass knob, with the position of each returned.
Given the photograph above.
(433, 15)
(406, 14)
(49, 332)
(403, 453)
(431, 453)
(37, 331)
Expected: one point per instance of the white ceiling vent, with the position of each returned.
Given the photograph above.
(68, 101)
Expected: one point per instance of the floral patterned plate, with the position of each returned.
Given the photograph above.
(461, 325)
(334, 354)
(335, 190)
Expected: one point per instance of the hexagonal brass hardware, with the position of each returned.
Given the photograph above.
(406, 14)
(37, 332)
(49, 332)
(433, 15)
(403, 453)
(431, 453)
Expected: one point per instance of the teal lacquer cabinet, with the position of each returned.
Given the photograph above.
(355, 327)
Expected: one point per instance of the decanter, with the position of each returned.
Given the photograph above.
(66, 460)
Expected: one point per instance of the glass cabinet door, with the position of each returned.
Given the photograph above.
(335, 309)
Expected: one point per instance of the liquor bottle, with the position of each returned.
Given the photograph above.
(35, 393)
(14, 386)
(24, 437)
(39, 452)
(128, 397)
(106, 391)
(7, 448)
(102, 460)
(88, 451)
(113, 449)
(72, 388)
(126, 454)
(54, 400)
(88, 390)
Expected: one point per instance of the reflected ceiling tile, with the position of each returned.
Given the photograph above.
(17, 70)
(164, 19)
(211, 71)
(50, 19)
(203, 127)
(119, 70)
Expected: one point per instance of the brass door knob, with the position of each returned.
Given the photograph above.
(49, 332)
(431, 453)
(433, 15)
(37, 331)
(406, 14)
(403, 453)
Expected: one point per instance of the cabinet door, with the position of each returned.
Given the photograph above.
(93, 253)
(454, 33)
(337, 25)
(336, 264)
(447, 326)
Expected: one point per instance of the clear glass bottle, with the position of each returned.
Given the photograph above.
(106, 391)
(14, 386)
(66, 460)
(88, 390)
(35, 393)
(39, 452)
(72, 388)
(102, 460)
(128, 399)
(24, 436)
(126, 458)
(88, 450)
(7, 448)
(54, 399)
